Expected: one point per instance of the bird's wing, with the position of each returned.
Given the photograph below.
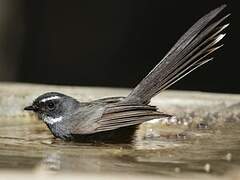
(118, 116)
(109, 100)
(115, 116)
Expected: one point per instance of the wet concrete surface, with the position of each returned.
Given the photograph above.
(203, 139)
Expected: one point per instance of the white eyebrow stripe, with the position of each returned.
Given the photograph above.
(50, 98)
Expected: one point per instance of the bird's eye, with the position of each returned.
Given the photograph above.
(50, 105)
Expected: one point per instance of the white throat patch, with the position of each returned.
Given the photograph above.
(51, 120)
(50, 98)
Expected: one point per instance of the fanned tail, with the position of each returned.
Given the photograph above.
(190, 52)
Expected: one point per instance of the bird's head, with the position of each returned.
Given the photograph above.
(53, 107)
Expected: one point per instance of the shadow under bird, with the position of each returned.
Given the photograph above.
(115, 119)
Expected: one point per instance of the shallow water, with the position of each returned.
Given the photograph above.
(203, 141)
(159, 149)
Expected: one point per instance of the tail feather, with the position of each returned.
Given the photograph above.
(180, 76)
(189, 53)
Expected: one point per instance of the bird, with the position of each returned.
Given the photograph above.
(116, 119)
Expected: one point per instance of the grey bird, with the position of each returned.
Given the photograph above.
(115, 119)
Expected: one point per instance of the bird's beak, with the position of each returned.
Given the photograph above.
(30, 108)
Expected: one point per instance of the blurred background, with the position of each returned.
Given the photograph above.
(108, 43)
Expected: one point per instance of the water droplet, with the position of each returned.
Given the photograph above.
(181, 136)
(185, 123)
(177, 170)
(228, 157)
(207, 167)
(202, 125)
(47, 142)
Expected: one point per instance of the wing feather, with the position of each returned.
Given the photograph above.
(111, 113)
(127, 115)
